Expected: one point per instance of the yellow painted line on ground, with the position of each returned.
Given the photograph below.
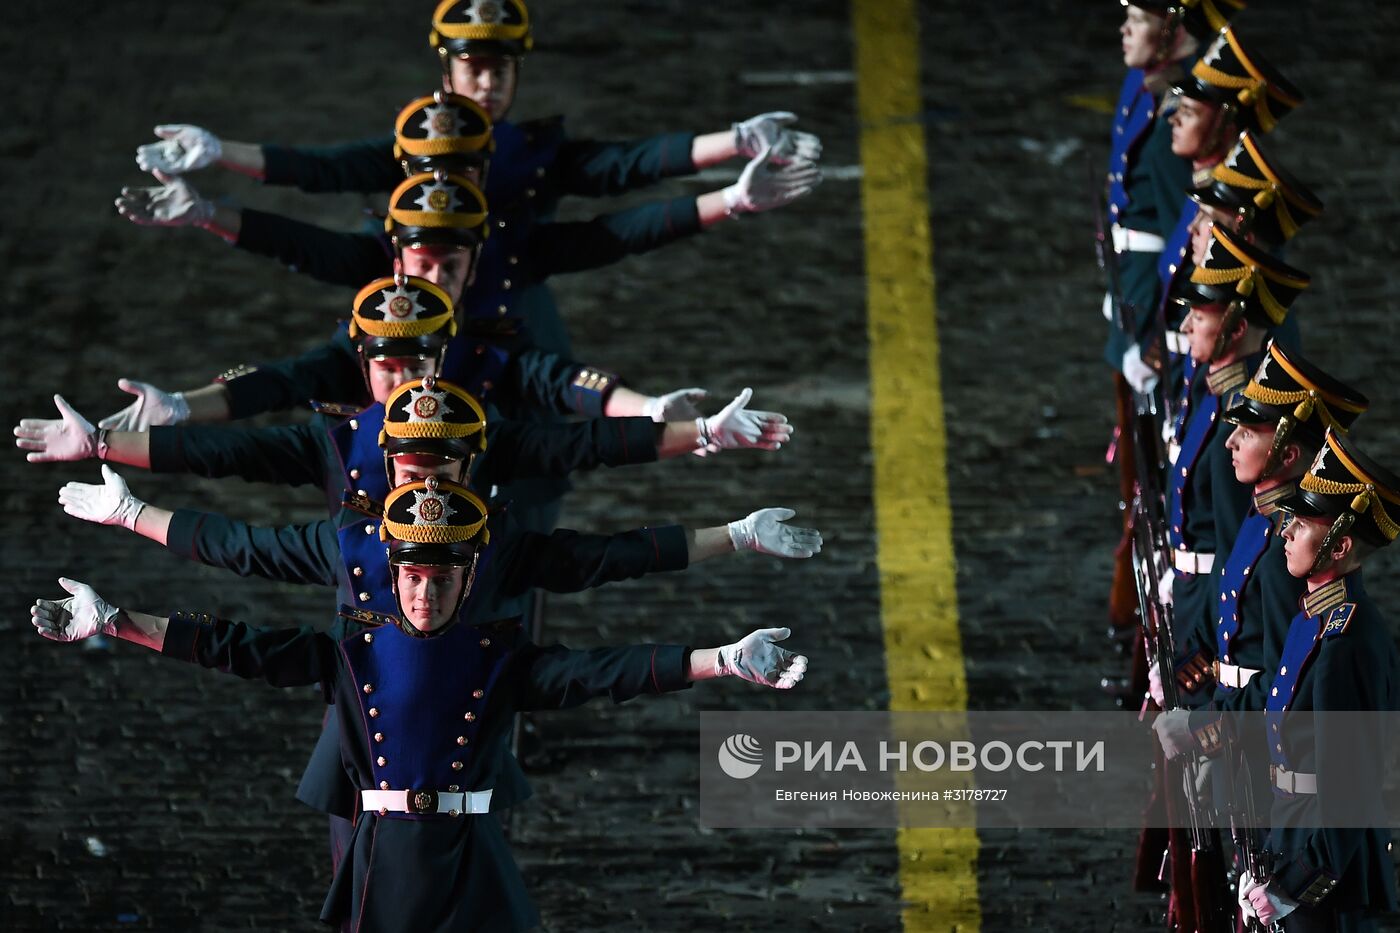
(914, 520)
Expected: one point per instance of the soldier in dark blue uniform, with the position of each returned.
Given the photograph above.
(1280, 421)
(1338, 655)
(1231, 91)
(1145, 178)
(1236, 293)
(424, 704)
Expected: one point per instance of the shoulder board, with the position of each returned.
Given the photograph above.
(1227, 379)
(1324, 599)
(229, 375)
(1338, 620)
(339, 409)
(365, 617)
(363, 504)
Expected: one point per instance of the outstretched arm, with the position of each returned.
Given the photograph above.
(282, 657)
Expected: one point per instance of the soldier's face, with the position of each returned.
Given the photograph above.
(1249, 446)
(1201, 327)
(387, 373)
(488, 80)
(447, 267)
(1141, 31)
(410, 468)
(428, 595)
(1302, 539)
(1206, 220)
(1192, 123)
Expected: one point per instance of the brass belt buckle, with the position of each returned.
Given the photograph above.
(422, 801)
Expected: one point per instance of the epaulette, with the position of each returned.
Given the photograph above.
(1338, 620)
(1227, 379)
(1325, 598)
(366, 617)
(1266, 503)
(336, 409)
(228, 375)
(359, 502)
(500, 626)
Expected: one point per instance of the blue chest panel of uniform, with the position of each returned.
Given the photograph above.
(1199, 431)
(1299, 648)
(475, 363)
(1131, 119)
(1181, 415)
(1174, 253)
(356, 441)
(422, 700)
(519, 161)
(1253, 541)
(491, 296)
(365, 565)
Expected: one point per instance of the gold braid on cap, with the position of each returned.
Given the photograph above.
(409, 217)
(1269, 191)
(378, 327)
(1249, 280)
(435, 534)
(480, 32)
(436, 429)
(1254, 91)
(1309, 402)
(438, 534)
(446, 145)
(1369, 497)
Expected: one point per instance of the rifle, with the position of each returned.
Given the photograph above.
(1256, 860)
(1209, 901)
(1104, 253)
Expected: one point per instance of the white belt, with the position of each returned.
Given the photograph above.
(1232, 675)
(1178, 343)
(425, 801)
(1292, 782)
(1191, 562)
(1127, 240)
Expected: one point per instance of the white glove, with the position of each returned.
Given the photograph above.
(763, 531)
(71, 437)
(673, 406)
(1173, 730)
(1154, 685)
(765, 184)
(755, 134)
(737, 426)
(1246, 885)
(82, 615)
(182, 148)
(174, 204)
(1267, 907)
(758, 660)
(1108, 307)
(1139, 375)
(109, 504)
(1164, 588)
(151, 408)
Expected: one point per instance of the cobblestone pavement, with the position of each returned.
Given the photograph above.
(140, 794)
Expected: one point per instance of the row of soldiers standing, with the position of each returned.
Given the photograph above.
(1249, 509)
(440, 442)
